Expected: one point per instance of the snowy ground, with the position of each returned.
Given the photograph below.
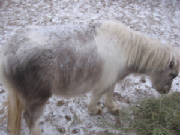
(156, 18)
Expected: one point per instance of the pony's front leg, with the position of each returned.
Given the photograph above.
(92, 107)
(109, 103)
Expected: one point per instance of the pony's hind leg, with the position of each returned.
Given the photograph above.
(31, 114)
(15, 109)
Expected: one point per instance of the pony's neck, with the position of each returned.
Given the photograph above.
(143, 54)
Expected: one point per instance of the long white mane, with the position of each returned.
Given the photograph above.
(141, 52)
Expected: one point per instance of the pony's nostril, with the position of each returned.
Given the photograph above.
(173, 75)
(166, 89)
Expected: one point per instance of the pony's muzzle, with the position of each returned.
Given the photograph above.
(165, 89)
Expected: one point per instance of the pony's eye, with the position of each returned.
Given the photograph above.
(171, 64)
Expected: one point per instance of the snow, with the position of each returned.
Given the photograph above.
(158, 19)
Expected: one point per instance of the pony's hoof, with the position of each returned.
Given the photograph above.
(95, 111)
(36, 132)
(115, 111)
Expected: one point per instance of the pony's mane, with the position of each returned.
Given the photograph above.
(148, 54)
(142, 53)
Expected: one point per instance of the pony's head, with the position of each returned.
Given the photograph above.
(162, 80)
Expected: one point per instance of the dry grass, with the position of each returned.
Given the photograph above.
(158, 116)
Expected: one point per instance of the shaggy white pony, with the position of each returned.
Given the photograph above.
(41, 61)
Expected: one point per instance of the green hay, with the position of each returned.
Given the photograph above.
(158, 116)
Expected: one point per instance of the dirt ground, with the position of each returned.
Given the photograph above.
(158, 19)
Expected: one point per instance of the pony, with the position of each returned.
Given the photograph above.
(40, 61)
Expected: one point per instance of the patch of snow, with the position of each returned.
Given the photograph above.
(158, 19)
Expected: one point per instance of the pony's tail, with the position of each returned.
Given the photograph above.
(14, 103)
(15, 109)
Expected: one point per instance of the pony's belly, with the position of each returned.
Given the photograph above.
(75, 89)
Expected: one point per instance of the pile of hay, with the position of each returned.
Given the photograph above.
(157, 116)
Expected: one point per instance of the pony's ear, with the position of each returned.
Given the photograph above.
(171, 64)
